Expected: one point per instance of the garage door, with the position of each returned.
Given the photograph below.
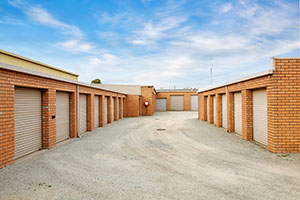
(83, 112)
(105, 109)
(260, 117)
(214, 103)
(207, 109)
(224, 111)
(28, 121)
(113, 109)
(96, 112)
(161, 104)
(194, 102)
(118, 106)
(177, 103)
(238, 113)
(62, 116)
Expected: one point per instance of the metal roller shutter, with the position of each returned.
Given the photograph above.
(214, 104)
(118, 106)
(62, 116)
(161, 104)
(83, 112)
(105, 109)
(224, 111)
(238, 113)
(194, 102)
(113, 108)
(260, 116)
(28, 121)
(207, 109)
(177, 103)
(96, 112)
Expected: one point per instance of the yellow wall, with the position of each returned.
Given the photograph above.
(9, 58)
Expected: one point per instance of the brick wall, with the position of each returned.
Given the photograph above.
(132, 105)
(148, 94)
(284, 107)
(10, 79)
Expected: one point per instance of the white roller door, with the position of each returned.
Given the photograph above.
(194, 102)
(214, 104)
(28, 121)
(161, 104)
(118, 107)
(105, 109)
(96, 112)
(238, 113)
(224, 111)
(83, 112)
(260, 116)
(62, 116)
(113, 109)
(207, 109)
(177, 102)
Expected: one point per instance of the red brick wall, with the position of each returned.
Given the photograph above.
(284, 107)
(148, 94)
(132, 106)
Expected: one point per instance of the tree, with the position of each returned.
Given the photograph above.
(96, 81)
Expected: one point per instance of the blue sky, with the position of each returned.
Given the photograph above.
(152, 42)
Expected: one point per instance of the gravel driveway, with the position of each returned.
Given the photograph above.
(170, 155)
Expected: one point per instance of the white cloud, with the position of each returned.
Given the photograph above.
(76, 46)
(225, 8)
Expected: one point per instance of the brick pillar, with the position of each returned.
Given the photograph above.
(187, 102)
(218, 110)
(102, 110)
(168, 103)
(200, 96)
(109, 109)
(120, 108)
(116, 117)
(73, 119)
(247, 115)
(210, 109)
(284, 106)
(48, 123)
(204, 104)
(7, 135)
(230, 112)
(90, 112)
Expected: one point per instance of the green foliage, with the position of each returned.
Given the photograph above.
(96, 81)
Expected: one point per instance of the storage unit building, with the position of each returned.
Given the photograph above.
(62, 116)
(28, 121)
(106, 110)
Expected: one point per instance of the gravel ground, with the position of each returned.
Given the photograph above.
(131, 159)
